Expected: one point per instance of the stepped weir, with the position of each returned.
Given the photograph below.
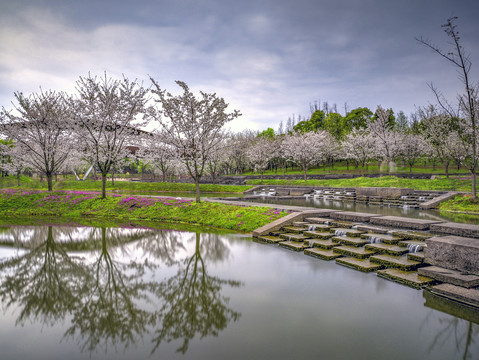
(440, 257)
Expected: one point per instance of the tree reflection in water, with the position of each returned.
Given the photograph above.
(113, 302)
(192, 300)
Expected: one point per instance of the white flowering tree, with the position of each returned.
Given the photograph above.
(41, 127)
(413, 147)
(359, 146)
(194, 127)
(388, 141)
(305, 149)
(157, 153)
(108, 116)
(260, 154)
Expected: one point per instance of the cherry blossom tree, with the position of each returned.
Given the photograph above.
(388, 141)
(413, 147)
(194, 127)
(260, 154)
(156, 152)
(359, 146)
(108, 116)
(305, 149)
(41, 127)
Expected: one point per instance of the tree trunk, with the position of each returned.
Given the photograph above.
(50, 182)
(473, 186)
(197, 186)
(446, 168)
(261, 176)
(305, 177)
(103, 185)
(18, 179)
(112, 178)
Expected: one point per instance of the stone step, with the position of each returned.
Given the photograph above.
(318, 220)
(324, 244)
(453, 252)
(268, 239)
(411, 235)
(450, 276)
(317, 227)
(402, 263)
(301, 224)
(381, 238)
(318, 234)
(418, 256)
(357, 252)
(347, 232)
(352, 241)
(294, 245)
(372, 229)
(458, 293)
(467, 230)
(451, 307)
(352, 216)
(401, 222)
(393, 250)
(364, 265)
(293, 229)
(341, 224)
(293, 237)
(322, 253)
(408, 278)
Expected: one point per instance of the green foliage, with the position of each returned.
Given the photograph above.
(391, 119)
(335, 125)
(462, 203)
(268, 133)
(315, 123)
(356, 119)
(74, 204)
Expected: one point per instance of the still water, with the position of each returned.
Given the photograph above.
(141, 293)
(416, 213)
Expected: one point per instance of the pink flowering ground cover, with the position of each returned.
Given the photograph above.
(89, 204)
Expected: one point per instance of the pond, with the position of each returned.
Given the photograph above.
(141, 292)
(411, 212)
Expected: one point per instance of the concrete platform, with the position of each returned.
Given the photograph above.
(293, 245)
(433, 203)
(419, 256)
(357, 252)
(322, 253)
(381, 238)
(293, 237)
(269, 239)
(324, 244)
(293, 229)
(364, 265)
(453, 252)
(402, 263)
(372, 229)
(317, 220)
(317, 227)
(454, 292)
(393, 250)
(450, 276)
(318, 234)
(408, 278)
(467, 230)
(351, 241)
(401, 222)
(411, 235)
(353, 216)
(346, 231)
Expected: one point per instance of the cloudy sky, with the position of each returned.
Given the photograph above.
(269, 59)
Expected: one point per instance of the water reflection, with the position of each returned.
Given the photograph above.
(113, 296)
(463, 327)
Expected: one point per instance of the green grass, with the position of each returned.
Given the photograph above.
(440, 183)
(120, 186)
(74, 204)
(461, 203)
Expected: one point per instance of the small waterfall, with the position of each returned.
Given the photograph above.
(339, 232)
(311, 227)
(375, 240)
(404, 197)
(354, 227)
(414, 248)
(421, 198)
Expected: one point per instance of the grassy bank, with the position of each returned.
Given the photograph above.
(439, 183)
(462, 204)
(76, 204)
